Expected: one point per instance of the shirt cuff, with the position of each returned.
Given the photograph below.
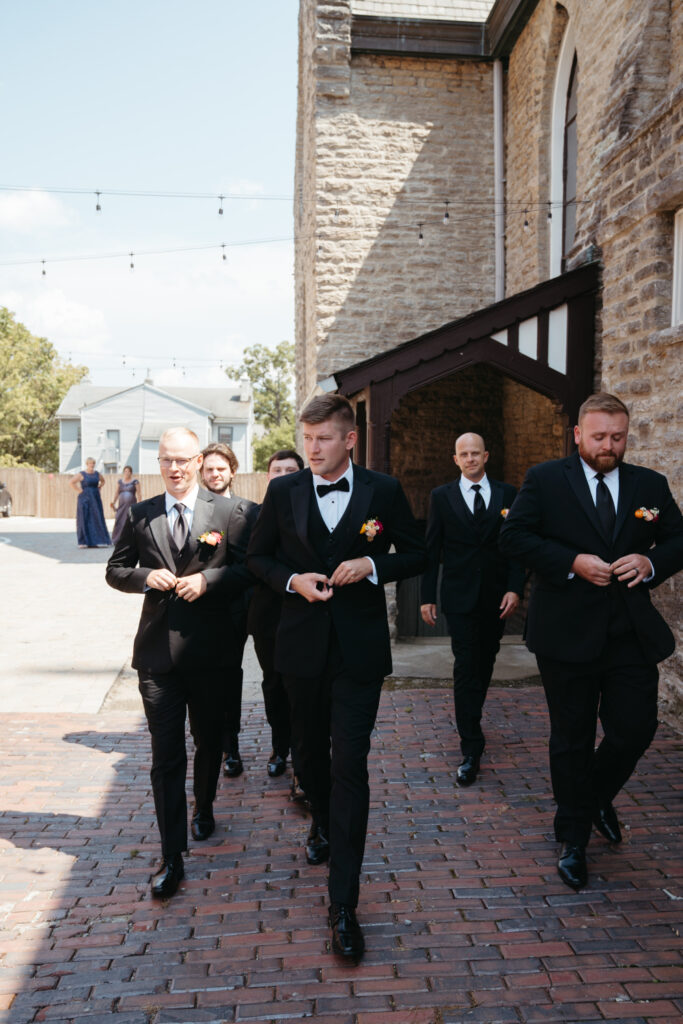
(372, 578)
(652, 573)
(289, 587)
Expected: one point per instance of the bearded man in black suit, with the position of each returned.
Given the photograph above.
(322, 541)
(184, 549)
(480, 588)
(599, 534)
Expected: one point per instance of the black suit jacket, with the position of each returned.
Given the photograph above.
(280, 546)
(265, 605)
(474, 570)
(174, 633)
(553, 520)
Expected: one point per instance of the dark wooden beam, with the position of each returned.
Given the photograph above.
(417, 38)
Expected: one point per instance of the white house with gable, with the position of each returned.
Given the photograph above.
(122, 426)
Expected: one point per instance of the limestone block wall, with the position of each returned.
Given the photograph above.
(394, 139)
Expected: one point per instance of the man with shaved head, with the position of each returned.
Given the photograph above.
(480, 589)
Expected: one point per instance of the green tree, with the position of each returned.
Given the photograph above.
(33, 382)
(271, 374)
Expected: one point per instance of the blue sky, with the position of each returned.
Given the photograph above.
(149, 96)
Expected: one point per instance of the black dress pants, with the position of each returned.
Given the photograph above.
(274, 694)
(166, 697)
(333, 716)
(620, 688)
(475, 642)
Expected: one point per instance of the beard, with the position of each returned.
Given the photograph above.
(216, 488)
(602, 463)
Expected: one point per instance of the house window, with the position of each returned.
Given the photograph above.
(570, 163)
(225, 435)
(677, 305)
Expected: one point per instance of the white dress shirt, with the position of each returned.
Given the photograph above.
(189, 501)
(611, 479)
(469, 494)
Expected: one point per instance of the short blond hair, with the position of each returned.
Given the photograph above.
(601, 401)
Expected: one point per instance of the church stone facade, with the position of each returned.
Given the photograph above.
(551, 134)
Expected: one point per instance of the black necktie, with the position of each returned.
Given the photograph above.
(605, 506)
(341, 485)
(180, 526)
(479, 503)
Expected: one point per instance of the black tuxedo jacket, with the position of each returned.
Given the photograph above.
(553, 520)
(280, 545)
(265, 605)
(174, 633)
(474, 570)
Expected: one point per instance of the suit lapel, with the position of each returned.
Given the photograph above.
(359, 509)
(493, 517)
(201, 522)
(158, 525)
(627, 488)
(459, 505)
(579, 485)
(300, 497)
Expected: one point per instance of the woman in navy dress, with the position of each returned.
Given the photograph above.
(91, 528)
(127, 493)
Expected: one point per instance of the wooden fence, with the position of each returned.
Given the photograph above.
(49, 494)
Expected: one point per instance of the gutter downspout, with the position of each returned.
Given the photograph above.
(499, 180)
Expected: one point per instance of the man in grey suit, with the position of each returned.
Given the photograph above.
(184, 550)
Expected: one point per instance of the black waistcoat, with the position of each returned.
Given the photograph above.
(329, 546)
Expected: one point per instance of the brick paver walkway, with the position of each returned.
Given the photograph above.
(464, 915)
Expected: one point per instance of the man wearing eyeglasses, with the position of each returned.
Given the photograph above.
(184, 549)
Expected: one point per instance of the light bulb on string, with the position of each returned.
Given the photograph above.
(44, 271)
(336, 214)
(223, 248)
(526, 221)
(220, 208)
(420, 237)
(123, 362)
(550, 211)
(132, 264)
(446, 217)
(98, 208)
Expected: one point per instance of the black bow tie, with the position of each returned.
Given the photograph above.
(341, 485)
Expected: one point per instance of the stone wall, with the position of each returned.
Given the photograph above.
(395, 138)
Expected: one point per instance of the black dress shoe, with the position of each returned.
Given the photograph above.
(167, 879)
(232, 764)
(467, 772)
(203, 825)
(571, 867)
(347, 938)
(605, 820)
(317, 845)
(296, 793)
(276, 765)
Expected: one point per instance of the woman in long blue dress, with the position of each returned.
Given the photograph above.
(91, 528)
(127, 493)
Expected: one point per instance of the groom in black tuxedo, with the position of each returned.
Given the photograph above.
(184, 549)
(322, 541)
(599, 535)
(480, 588)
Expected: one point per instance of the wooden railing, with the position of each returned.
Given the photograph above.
(49, 494)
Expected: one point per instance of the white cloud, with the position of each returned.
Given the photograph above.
(68, 324)
(26, 212)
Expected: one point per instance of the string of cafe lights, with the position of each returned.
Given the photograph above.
(522, 206)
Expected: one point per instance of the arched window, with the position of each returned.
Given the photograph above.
(564, 153)
(570, 162)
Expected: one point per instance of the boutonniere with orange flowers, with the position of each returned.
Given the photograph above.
(650, 515)
(211, 537)
(371, 527)
(504, 512)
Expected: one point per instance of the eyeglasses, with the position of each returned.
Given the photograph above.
(180, 463)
